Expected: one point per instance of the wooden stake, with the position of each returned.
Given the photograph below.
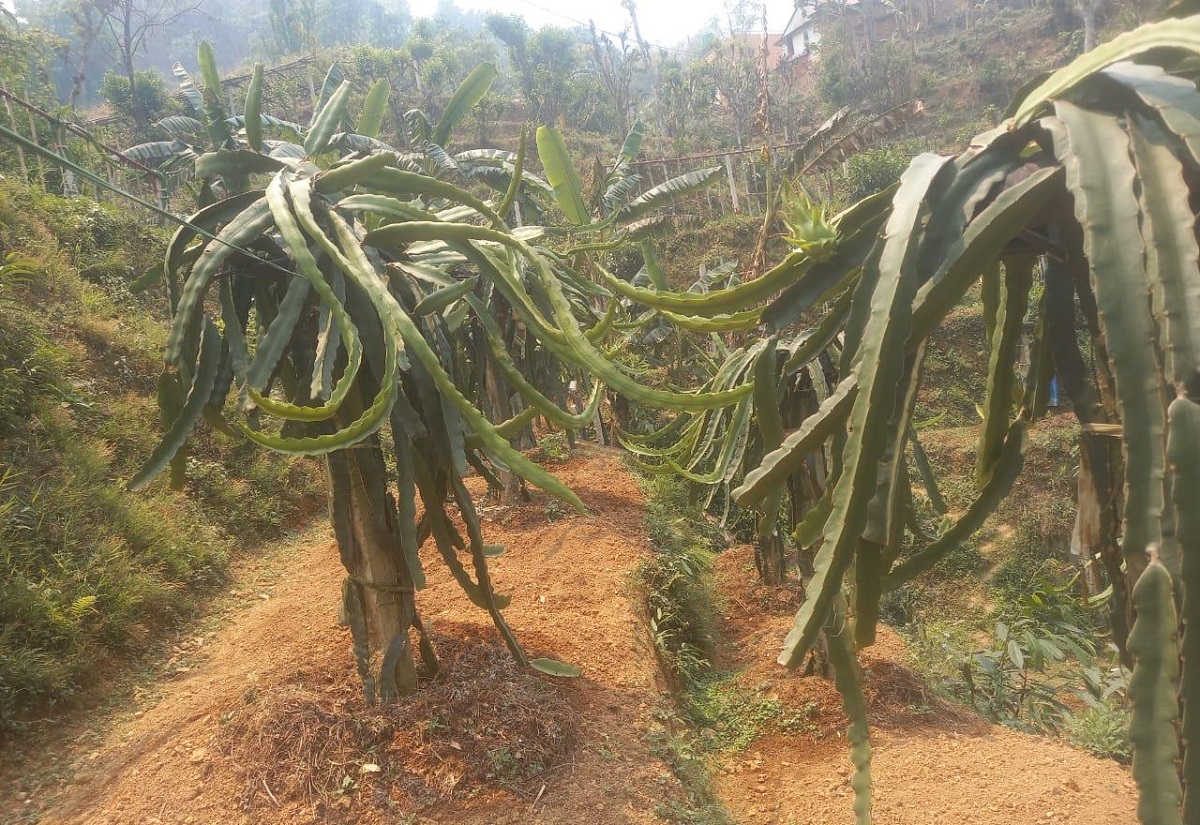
(20, 152)
(733, 194)
(34, 135)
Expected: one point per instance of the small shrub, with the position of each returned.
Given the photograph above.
(554, 447)
(152, 95)
(1102, 729)
(871, 171)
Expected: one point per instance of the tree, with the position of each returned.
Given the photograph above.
(684, 97)
(882, 75)
(1087, 12)
(25, 58)
(152, 101)
(733, 66)
(546, 61)
(87, 28)
(293, 25)
(615, 68)
(130, 25)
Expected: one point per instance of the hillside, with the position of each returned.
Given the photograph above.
(94, 577)
(246, 737)
(838, 452)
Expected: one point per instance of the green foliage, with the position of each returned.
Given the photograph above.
(1102, 730)
(89, 572)
(685, 93)
(26, 58)
(152, 95)
(545, 60)
(729, 716)
(293, 24)
(688, 760)
(678, 580)
(999, 75)
(883, 74)
(1009, 682)
(554, 447)
(299, 25)
(107, 248)
(91, 576)
(1040, 676)
(873, 171)
(1034, 582)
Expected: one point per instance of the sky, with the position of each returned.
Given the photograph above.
(663, 22)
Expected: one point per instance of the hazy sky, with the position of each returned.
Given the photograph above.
(662, 21)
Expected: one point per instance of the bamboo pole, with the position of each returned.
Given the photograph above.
(70, 185)
(733, 193)
(750, 200)
(12, 121)
(34, 135)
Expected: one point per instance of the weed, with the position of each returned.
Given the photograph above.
(687, 762)
(554, 447)
(678, 580)
(801, 721)
(730, 716)
(1102, 729)
(556, 510)
(505, 766)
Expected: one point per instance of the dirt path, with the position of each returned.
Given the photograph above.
(933, 763)
(570, 579)
(571, 582)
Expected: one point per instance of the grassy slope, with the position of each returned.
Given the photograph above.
(91, 575)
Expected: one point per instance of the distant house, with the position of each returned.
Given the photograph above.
(802, 32)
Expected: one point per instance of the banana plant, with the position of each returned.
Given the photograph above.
(616, 212)
(221, 150)
(1088, 185)
(429, 141)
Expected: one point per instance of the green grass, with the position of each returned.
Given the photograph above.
(688, 760)
(728, 716)
(92, 576)
(678, 581)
